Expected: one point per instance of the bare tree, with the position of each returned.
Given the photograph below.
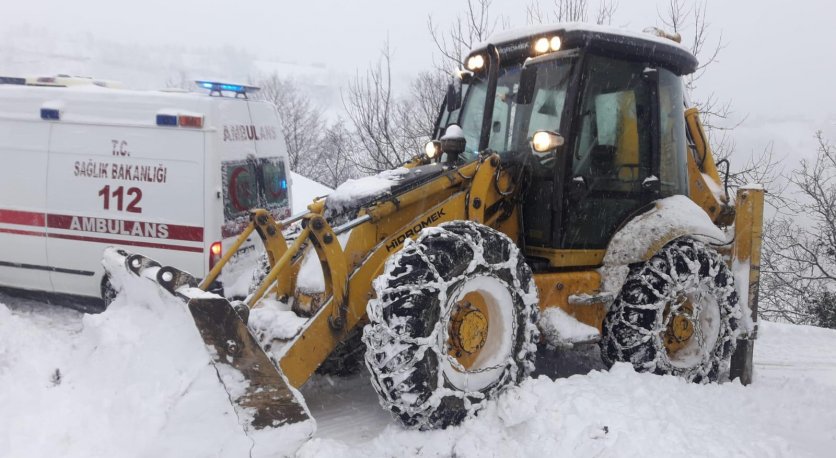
(799, 256)
(390, 130)
(417, 112)
(570, 11)
(337, 148)
(475, 25)
(301, 122)
(689, 20)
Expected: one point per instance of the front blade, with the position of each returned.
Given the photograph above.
(261, 396)
(271, 412)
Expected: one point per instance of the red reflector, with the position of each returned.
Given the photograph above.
(191, 121)
(214, 254)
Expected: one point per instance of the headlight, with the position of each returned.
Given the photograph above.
(547, 44)
(475, 62)
(541, 45)
(544, 141)
(432, 149)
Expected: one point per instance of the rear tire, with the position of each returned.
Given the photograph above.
(677, 313)
(453, 324)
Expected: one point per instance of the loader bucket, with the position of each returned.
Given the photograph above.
(271, 412)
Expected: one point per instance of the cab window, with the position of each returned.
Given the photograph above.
(673, 170)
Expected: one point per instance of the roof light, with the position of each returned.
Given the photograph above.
(166, 120)
(554, 44)
(218, 87)
(475, 62)
(190, 121)
(50, 114)
(541, 46)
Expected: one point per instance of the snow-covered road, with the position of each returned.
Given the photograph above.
(132, 382)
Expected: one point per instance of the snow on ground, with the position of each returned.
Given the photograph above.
(136, 382)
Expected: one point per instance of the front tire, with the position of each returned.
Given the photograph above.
(678, 313)
(453, 324)
(109, 293)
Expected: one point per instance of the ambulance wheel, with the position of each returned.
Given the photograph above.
(109, 293)
(453, 324)
(678, 314)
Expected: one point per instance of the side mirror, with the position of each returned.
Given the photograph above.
(528, 80)
(544, 141)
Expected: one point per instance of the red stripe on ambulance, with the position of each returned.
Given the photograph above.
(108, 226)
(22, 218)
(125, 227)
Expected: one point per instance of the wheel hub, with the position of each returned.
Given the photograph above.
(468, 329)
(680, 328)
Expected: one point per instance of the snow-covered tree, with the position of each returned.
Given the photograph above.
(799, 252)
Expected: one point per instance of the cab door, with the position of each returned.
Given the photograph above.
(612, 173)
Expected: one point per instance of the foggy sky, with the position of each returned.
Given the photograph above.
(777, 67)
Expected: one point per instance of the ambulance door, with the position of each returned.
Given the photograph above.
(132, 187)
(239, 172)
(274, 172)
(23, 165)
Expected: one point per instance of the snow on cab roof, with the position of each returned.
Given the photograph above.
(661, 50)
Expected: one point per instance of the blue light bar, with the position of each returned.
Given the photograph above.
(218, 87)
(284, 184)
(166, 120)
(50, 114)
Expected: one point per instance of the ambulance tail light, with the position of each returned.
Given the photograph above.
(215, 254)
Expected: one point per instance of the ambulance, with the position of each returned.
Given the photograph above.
(171, 174)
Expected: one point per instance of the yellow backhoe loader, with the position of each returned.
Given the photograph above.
(568, 186)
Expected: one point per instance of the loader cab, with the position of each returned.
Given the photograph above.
(617, 104)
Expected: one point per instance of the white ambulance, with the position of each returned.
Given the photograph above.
(170, 175)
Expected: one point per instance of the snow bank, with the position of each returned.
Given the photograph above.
(304, 191)
(624, 413)
(134, 381)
